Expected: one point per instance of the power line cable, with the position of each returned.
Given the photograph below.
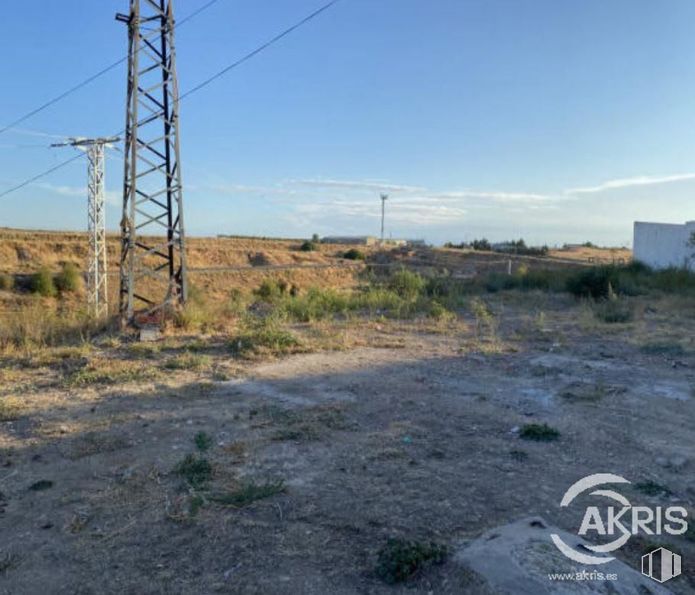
(41, 175)
(259, 49)
(92, 78)
(200, 86)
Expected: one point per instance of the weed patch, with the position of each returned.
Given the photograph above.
(10, 409)
(196, 471)
(188, 361)
(400, 560)
(539, 433)
(249, 493)
(652, 488)
(203, 441)
(120, 373)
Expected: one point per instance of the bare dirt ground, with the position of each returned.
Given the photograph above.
(389, 429)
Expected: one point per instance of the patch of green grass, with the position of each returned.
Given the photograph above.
(264, 335)
(188, 361)
(316, 304)
(196, 471)
(399, 559)
(249, 493)
(406, 284)
(539, 433)
(144, 350)
(96, 375)
(203, 441)
(652, 488)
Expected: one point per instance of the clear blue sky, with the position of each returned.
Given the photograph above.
(555, 121)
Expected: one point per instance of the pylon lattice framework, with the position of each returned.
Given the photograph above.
(97, 284)
(153, 262)
(97, 281)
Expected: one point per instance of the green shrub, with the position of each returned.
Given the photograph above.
(69, 279)
(263, 334)
(400, 559)
(406, 284)
(6, 282)
(203, 441)
(613, 310)
(196, 471)
(316, 304)
(594, 282)
(271, 289)
(539, 433)
(354, 254)
(43, 284)
(308, 246)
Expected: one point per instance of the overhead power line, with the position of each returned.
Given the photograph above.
(91, 78)
(259, 49)
(199, 86)
(41, 175)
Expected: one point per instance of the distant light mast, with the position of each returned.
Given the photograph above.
(384, 198)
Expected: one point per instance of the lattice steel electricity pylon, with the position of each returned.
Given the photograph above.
(153, 260)
(97, 282)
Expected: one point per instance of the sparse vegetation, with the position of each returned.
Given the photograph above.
(308, 246)
(652, 488)
(196, 471)
(188, 361)
(406, 284)
(42, 283)
(248, 493)
(69, 279)
(264, 335)
(539, 433)
(6, 282)
(10, 409)
(203, 441)
(399, 560)
(113, 373)
(354, 254)
(35, 327)
(41, 485)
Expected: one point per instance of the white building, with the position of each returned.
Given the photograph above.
(663, 245)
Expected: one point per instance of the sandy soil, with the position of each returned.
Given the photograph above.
(411, 432)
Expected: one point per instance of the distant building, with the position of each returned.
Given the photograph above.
(350, 240)
(663, 245)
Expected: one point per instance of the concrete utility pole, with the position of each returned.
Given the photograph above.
(153, 259)
(384, 198)
(97, 283)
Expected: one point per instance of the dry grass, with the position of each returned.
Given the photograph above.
(11, 409)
